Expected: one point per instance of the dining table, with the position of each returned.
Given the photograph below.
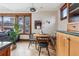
(41, 35)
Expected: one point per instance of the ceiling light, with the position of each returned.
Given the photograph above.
(32, 9)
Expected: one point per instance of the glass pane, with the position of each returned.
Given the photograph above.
(27, 24)
(20, 22)
(75, 19)
(64, 12)
(0, 23)
(8, 22)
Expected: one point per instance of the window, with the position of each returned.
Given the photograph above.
(27, 24)
(23, 19)
(24, 24)
(0, 23)
(20, 22)
(8, 22)
(64, 11)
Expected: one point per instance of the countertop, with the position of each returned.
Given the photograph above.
(71, 33)
(4, 45)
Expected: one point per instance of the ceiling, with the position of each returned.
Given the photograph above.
(24, 7)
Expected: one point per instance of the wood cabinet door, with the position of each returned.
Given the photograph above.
(74, 46)
(67, 44)
(5, 52)
(62, 44)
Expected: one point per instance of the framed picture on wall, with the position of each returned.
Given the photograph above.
(38, 24)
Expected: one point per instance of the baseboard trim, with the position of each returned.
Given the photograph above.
(24, 40)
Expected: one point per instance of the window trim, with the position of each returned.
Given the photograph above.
(61, 10)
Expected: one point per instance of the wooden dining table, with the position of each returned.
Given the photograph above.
(41, 35)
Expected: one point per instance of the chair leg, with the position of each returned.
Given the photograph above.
(29, 44)
(48, 51)
(36, 45)
(39, 50)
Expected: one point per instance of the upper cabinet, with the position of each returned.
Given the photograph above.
(73, 12)
(70, 12)
(74, 8)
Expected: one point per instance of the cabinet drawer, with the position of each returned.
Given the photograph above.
(73, 27)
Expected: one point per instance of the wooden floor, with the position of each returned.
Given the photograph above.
(23, 50)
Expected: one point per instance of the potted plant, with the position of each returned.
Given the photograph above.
(14, 35)
(16, 28)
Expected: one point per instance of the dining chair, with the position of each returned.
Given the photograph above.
(31, 39)
(43, 42)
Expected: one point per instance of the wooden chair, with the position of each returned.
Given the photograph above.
(43, 42)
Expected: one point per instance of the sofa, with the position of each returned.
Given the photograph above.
(4, 36)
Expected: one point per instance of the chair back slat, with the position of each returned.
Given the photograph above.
(42, 39)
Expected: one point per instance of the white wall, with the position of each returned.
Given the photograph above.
(44, 16)
(62, 25)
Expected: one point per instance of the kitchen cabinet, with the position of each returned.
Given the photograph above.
(5, 48)
(74, 46)
(73, 27)
(62, 44)
(67, 44)
(5, 52)
(73, 18)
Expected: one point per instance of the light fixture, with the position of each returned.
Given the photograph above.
(32, 9)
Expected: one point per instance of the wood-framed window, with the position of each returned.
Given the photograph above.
(20, 22)
(24, 24)
(63, 12)
(1, 21)
(27, 24)
(7, 21)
